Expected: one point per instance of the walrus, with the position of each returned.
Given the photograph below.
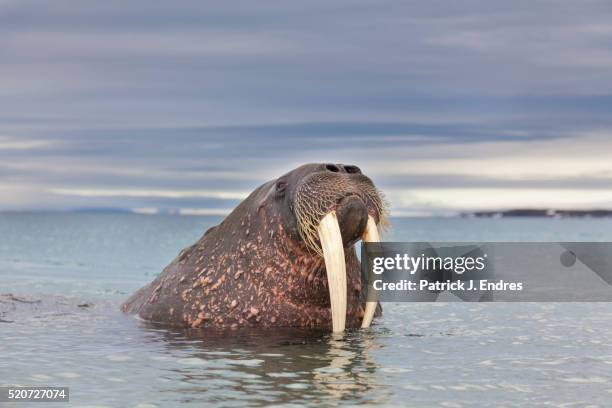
(284, 256)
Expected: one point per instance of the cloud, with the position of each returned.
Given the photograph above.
(149, 105)
(12, 144)
(135, 192)
(469, 199)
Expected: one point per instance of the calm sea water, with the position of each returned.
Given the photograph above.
(81, 266)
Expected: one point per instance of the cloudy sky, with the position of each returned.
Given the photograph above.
(190, 105)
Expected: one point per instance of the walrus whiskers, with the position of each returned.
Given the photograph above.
(320, 192)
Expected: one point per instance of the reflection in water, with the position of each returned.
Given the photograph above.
(269, 366)
(349, 369)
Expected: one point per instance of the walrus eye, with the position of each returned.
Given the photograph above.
(280, 188)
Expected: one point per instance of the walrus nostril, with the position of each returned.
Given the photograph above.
(332, 167)
(352, 169)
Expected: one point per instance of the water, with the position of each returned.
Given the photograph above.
(81, 266)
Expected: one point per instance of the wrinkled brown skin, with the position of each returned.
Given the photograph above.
(253, 269)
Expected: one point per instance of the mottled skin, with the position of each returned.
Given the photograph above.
(254, 268)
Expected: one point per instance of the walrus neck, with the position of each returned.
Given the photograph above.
(304, 274)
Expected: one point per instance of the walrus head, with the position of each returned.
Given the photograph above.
(327, 208)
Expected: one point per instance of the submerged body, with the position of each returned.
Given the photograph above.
(263, 264)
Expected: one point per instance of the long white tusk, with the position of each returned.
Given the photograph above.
(335, 264)
(370, 235)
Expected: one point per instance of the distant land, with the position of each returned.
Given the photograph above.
(513, 213)
(549, 213)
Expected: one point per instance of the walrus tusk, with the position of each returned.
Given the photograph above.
(370, 235)
(335, 264)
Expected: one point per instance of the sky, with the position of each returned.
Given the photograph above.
(188, 106)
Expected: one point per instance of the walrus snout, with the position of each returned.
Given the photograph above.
(341, 188)
(352, 217)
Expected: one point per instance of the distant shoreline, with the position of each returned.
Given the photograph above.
(547, 213)
(513, 213)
